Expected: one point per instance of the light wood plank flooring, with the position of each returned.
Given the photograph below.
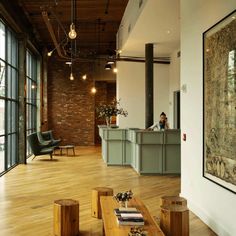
(27, 192)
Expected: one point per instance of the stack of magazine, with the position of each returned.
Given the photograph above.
(129, 216)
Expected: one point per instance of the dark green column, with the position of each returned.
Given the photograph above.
(22, 103)
(148, 85)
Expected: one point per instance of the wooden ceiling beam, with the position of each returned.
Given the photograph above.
(52, 34)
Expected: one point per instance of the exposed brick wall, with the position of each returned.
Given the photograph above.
(71, 106)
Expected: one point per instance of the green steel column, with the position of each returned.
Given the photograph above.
(148, 85)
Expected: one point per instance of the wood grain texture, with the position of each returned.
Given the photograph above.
(96, 194)
(111, 228)
(66, 217)
(168, 200)
(27, 192)
(175, 220)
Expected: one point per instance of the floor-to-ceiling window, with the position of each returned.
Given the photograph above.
(8, 98)
(31, 95)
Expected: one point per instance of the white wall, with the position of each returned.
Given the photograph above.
(174, 84)
(214, 204)
(131, 91)
(131, 14)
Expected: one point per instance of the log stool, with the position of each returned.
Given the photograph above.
(174, 220)
(66, 217)
(169, 200)
(96, 206)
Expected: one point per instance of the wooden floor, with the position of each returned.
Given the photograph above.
(27, 192)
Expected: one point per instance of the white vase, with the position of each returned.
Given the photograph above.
(108, 121)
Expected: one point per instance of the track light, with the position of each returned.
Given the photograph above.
(107, 67)
(110, 62)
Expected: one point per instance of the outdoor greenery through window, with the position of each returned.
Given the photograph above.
(8, 98)
(31, 95)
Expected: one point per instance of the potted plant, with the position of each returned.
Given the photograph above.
(108, 110)
(124, 197)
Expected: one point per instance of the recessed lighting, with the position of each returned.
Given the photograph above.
(68, 62)
(110, 62)
(115, 70)
(84, 77)
(168, 31)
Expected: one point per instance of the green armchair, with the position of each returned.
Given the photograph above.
(48, 137)
(37, 147)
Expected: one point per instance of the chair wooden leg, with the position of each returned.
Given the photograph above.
(33, 157)
(51, 155)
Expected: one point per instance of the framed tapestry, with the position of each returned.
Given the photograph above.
(219, 103)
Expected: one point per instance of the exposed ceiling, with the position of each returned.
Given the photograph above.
(97, 22)
(158, 23)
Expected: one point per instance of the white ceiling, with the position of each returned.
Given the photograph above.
(159, 23)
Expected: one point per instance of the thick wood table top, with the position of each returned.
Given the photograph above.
(111, 227)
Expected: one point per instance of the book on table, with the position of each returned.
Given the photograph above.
(121, 210)
(129, 216)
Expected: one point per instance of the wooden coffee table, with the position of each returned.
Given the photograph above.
(111, 227)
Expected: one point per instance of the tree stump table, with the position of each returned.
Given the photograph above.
(174, 220)
(96, 206)
(169, 200)
(66, 217)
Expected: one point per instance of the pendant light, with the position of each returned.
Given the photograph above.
(71, 73)
(72, 33)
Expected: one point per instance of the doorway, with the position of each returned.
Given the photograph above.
(177, 109)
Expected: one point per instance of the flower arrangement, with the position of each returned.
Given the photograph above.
(137, 231)
(112, 109)
(123, 197)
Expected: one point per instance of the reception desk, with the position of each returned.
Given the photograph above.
(148, 152)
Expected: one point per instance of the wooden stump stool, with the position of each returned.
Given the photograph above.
(169, 200)
(174, 220)
(96, 206)
(66, 217)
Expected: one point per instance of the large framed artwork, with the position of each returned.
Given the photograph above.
(219, 103)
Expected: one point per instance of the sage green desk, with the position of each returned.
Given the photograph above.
(148, 152)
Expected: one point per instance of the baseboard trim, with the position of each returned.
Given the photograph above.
(206, 218)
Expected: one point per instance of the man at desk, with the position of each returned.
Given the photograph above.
(161, 124)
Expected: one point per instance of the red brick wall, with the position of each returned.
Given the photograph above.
(71, 106)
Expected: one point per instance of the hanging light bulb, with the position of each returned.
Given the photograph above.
(72, 34)
(50, 53)
(84, 77)
(93, 90)
(71, 76)
(33, 86)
